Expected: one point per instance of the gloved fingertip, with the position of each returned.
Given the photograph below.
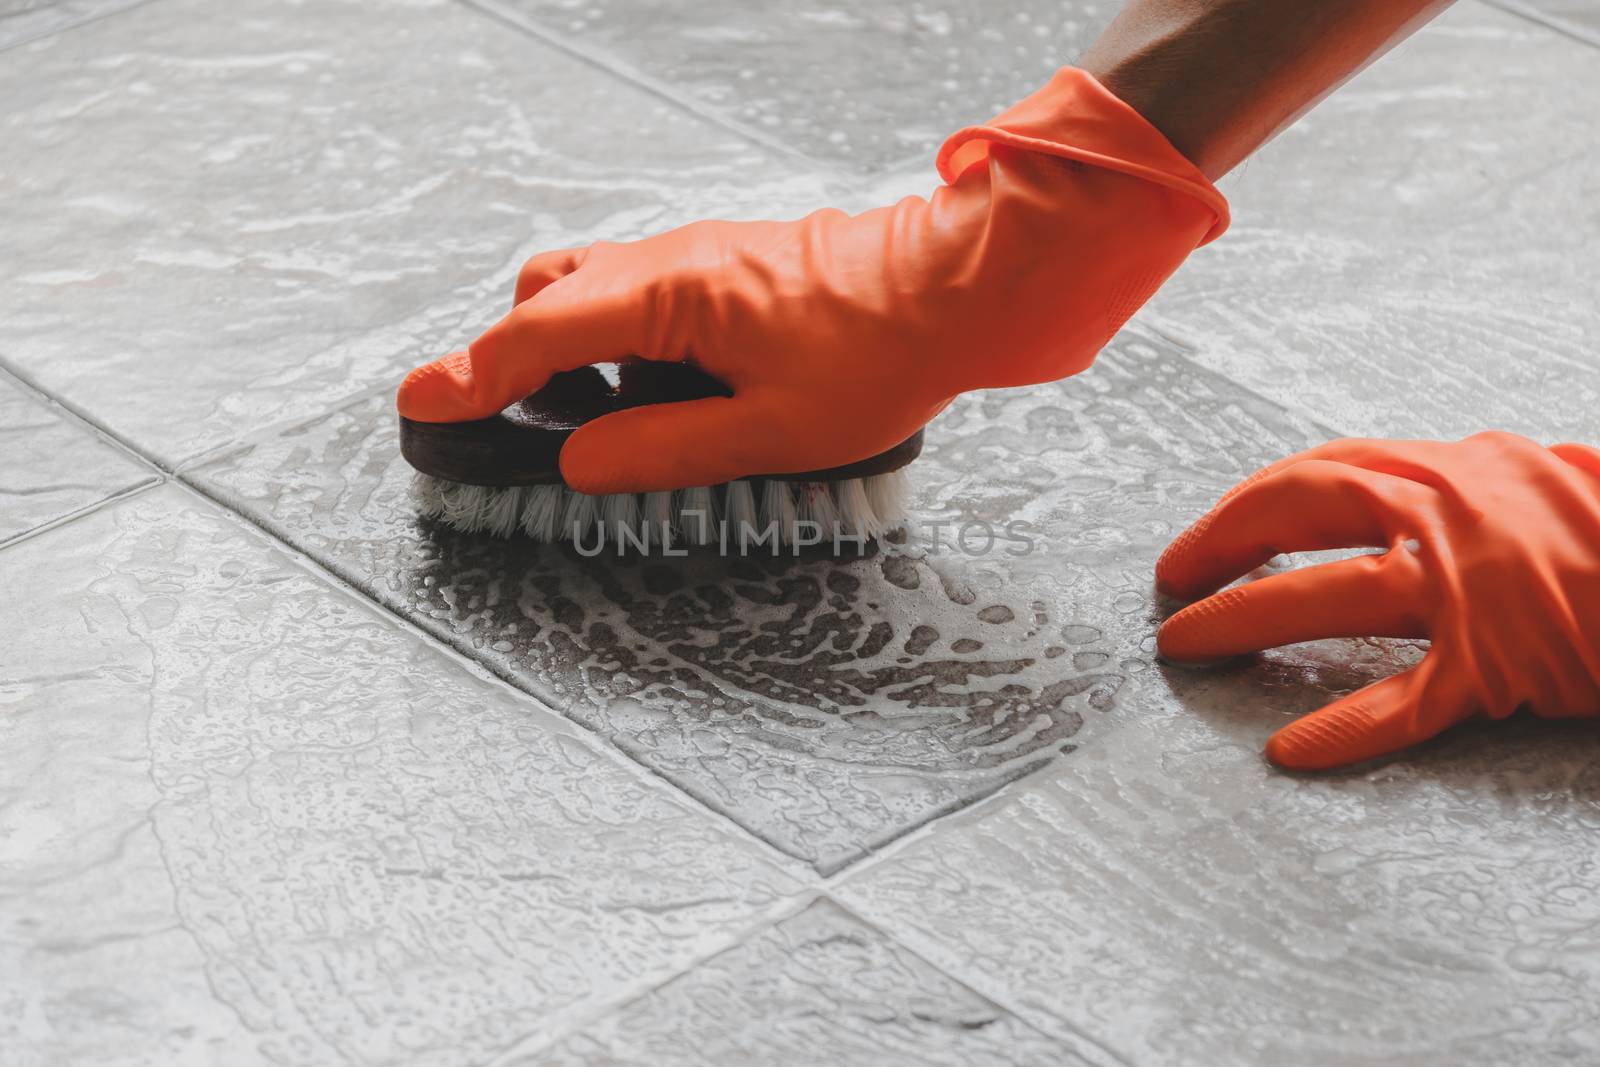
(1173, 577)
(1323, 740)
(443, 391)
(1176, 644)
(1207, 631)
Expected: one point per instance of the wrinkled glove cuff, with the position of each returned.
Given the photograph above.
(1075, 117)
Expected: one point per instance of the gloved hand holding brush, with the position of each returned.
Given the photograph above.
(1493, 553)
(835, 338)
(840, 336)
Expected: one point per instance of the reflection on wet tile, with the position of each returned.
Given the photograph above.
(863, 84)
(51, 467)
(24, 20)
(820, 988)
(1209, 909)
(246, 818)
(1417, 257)
(829, 705)
(266, 222)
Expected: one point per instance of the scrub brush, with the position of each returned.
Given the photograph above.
(501, 475)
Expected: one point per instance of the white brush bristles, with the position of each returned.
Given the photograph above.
(777, 503)
(620, 514)
(816, 505)
(855, 510)
(886, 496)
(579, 515)
(739, 511)
(541, 514)
(659, 520)
(752, 515)
(697, 516)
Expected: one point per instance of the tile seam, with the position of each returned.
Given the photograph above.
(76, 416)
(801, 870)
(1112, 1057)
(775, 915)
(150, 482)
(74, 23)
(1531, 13)
(599, 60)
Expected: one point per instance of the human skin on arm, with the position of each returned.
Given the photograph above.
(1221, 77)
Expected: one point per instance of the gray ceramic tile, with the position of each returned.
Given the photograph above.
(820, 988)
(24, 20)
(208, 231)
(863, 84)
(51, 466)
(247, 818)
(1171, 895)
(827, 705)
(1581, 18)
(1418, 257)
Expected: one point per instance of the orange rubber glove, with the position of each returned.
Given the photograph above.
(1494, 554)
(840, 336)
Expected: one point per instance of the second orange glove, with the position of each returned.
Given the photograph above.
(842, 335)
(1493, 553)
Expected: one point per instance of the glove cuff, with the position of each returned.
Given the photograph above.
(1075, 117)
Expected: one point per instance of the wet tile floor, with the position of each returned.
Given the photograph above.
(292, 777)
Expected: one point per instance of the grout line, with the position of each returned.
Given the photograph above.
(79, 417)
(810, 873)
(802, 870)
(67, 413)
(72, 23)
(279, 428)
(1566, 27)
(805, 871)
(509, 16)
(947, 819)
(579, 1020)
(937, 824)
(1079, 1040)
(1183, 350)
(59, 521)
(783, 906)
(869, 856)
(799, 869)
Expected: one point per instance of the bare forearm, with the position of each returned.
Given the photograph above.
(1221, 77)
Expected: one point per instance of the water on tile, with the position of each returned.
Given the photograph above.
(50, 466)
(829, 705)
(821, 987)
(1417, 257)
(1169, 894)
(247, 818)
(25, 20)
(862, 85)
(1581, 18)
(265, 222)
